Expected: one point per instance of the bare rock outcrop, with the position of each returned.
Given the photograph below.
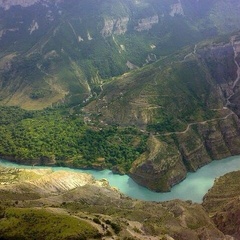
(7, 4)
(146, 23)
(160, 167)
(176, 9)
(115, 26)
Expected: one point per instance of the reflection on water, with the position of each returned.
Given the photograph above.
(192, 188)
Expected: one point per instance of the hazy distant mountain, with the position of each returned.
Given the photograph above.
(63, 51)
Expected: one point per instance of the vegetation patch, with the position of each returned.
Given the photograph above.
(56, 137)
(20, 223)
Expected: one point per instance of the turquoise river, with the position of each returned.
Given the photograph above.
(194, 187)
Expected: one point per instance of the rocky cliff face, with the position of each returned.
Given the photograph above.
(222, 203)
(146, 23)
(115, 26)
(162, 167)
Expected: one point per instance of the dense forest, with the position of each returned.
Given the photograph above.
(59, 138)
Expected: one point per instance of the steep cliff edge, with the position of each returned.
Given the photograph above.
(175, 154)
(223, 204)
(160, 167)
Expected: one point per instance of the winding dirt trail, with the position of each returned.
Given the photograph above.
(191, 53)
(228, 99)
(194, 123)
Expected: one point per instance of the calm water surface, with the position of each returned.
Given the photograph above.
(192, 188)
